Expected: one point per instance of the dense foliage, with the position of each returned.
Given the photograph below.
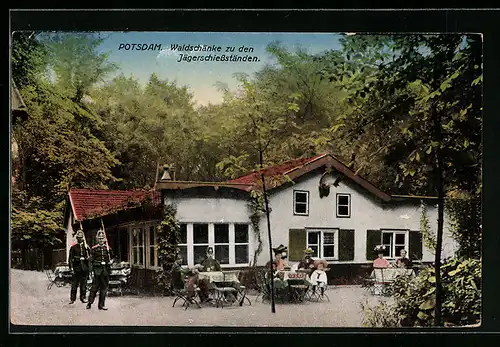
(168, 236)
(408, 106)
(414, 301)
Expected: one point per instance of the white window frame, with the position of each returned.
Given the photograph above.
(321, 242)
(228, 243)
(187, 238)
(239, 243)
(338, 215)
(211, 242)
(133, 248)
(394, 232)
(295, 202)
(208, 243)
(146, 244)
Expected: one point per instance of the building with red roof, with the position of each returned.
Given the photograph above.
(316, 202)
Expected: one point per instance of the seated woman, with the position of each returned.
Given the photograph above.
(192, 280)
(403, 261)
(381, 262)
(209, 263)
(318, 277)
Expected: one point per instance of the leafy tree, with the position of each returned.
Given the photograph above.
(420, 106)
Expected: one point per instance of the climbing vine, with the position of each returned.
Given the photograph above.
(428, 236)
(256, 206)
(168, 236)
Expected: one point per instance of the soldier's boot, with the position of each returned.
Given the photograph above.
(102, 298)
(91, 299)
(72, 296)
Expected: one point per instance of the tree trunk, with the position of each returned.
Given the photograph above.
(439, 238)
(273, 306)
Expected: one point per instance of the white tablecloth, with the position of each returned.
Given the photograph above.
(389, 274)
(219, 276)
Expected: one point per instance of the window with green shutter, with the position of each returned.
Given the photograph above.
(346, 244)
(296, 244)
(373, 238)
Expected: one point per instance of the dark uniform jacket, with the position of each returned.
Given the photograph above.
(304, 264)
(210, 263)
(101, 259)
(76, 252)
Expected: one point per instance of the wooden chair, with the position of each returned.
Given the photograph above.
(59, 282)
(227, 288)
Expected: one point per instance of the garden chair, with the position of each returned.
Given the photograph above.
(227, 288)
(59, 282)
(317, 293)
(179, 290)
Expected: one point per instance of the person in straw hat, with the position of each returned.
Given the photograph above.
(78, 262)
(308, 262)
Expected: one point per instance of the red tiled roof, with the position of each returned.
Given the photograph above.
(92, 203)
(275, 170)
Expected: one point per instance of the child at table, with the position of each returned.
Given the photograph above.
(318, 277)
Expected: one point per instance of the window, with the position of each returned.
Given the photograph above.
(153, 247)
(138, 246)
(241, 243)
(324, 243)
(394, 241)
(200, 242)
(344, 205)
(300, 202)
(221, 249)
(231, 243)
(183, 244)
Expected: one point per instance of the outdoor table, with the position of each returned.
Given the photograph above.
(298, 284)
(223, 284)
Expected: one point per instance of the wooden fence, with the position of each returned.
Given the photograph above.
(37, 259)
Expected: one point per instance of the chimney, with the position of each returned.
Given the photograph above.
(167, 169)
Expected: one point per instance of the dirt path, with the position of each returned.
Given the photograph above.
(33, 304)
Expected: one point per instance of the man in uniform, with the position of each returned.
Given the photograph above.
(78, 262)
(100, 259)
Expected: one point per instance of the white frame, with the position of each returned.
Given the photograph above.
(392, 248)
(142, 227)
(233, 249)
(228, 243)
(335, 231)
(146, 243)
(295, 202)
(337, 214)
(211, 242)
(187, 238)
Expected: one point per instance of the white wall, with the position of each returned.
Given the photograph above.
(69, 234)
(214, 210)
(366, 214)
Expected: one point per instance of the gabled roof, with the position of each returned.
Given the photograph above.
(93, 203)
(275, 170)
(292, 169)
(299, 167)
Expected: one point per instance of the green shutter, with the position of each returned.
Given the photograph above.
(373, 238)
(346, 244)
(415, 251)
(296, 244)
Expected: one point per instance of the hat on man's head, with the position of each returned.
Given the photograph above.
(308, 251)
(280, 249)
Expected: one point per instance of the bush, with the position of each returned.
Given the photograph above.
(415, 297)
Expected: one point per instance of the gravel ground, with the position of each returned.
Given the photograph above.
(31, 304)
